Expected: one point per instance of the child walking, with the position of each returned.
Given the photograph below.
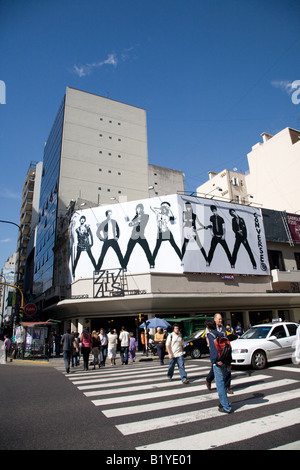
(132, 348)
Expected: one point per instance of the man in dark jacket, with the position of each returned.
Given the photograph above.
(69, 344)
(219, 368)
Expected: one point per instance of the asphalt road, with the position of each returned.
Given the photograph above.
(40, 409)
(133, 407)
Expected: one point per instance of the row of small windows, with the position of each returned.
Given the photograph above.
(108, 190)
(110, 137)
(110, 121)
(109, 171)
(109, 154)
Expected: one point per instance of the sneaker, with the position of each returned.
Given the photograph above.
(222, 410)
(208, 385)
(169, 380)
(186, 381)
(229, 391)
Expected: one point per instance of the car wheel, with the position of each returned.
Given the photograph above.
(196, 353)
(259, 360)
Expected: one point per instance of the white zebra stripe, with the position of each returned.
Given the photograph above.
(171, 390)
(191, 400)
(189, 417)
(291, 446)
(230, 434)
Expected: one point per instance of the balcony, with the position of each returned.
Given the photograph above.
(285, 276)
(285, 281)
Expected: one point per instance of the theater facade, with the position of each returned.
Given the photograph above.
(174, 256)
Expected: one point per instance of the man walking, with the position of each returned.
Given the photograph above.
(68, 342)
(125, 339)
(175, 350)
(221, 329)
(219, 367)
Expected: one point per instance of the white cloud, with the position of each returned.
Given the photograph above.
(285, 85)
(5, 240)
(87, 69)
(9, 194)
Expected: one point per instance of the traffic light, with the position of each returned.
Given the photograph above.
(141, 317)
(21, 312)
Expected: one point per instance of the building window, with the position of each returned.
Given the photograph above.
(276, 260)
(297, 258)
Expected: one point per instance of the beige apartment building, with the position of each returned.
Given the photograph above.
(272, 180)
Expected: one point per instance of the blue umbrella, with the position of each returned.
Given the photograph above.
(155, 323)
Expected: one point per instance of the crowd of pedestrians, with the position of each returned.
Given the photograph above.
(99, 344)
(102, 345)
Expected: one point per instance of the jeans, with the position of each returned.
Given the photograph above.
(227, 378)
(180, 363)
(124, 354)
(104, 355)
(220, 374)
(67, 358)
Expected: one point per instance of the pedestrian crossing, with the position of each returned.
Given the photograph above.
(140, 402)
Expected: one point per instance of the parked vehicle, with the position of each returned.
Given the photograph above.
(195, 345)
(265, 343)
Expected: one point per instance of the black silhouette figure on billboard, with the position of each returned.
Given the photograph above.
(163, 216)
(84, 242)
(109, 233)
(138, 225)
(190, 229)
(218, 235)
(240, 230)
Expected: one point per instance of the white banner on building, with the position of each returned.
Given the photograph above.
(171, 234)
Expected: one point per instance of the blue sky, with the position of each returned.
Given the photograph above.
(212, 76)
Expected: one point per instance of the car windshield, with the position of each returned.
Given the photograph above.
(195, 335)
(257, 332)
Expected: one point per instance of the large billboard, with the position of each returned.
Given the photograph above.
(170, 234)
(294, 226)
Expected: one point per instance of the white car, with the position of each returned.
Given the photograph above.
(265, 343)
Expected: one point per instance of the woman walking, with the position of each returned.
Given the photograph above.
(96, 346)
(112, 346)
(86, 346)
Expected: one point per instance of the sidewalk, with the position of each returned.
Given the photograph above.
(58, 361)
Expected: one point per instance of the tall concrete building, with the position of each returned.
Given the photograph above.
(96, 154)
(28, 218)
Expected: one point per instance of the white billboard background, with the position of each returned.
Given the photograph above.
(167, 227)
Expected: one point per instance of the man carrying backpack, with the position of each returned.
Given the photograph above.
(174, 345)
(219, 367)
(221, 328)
